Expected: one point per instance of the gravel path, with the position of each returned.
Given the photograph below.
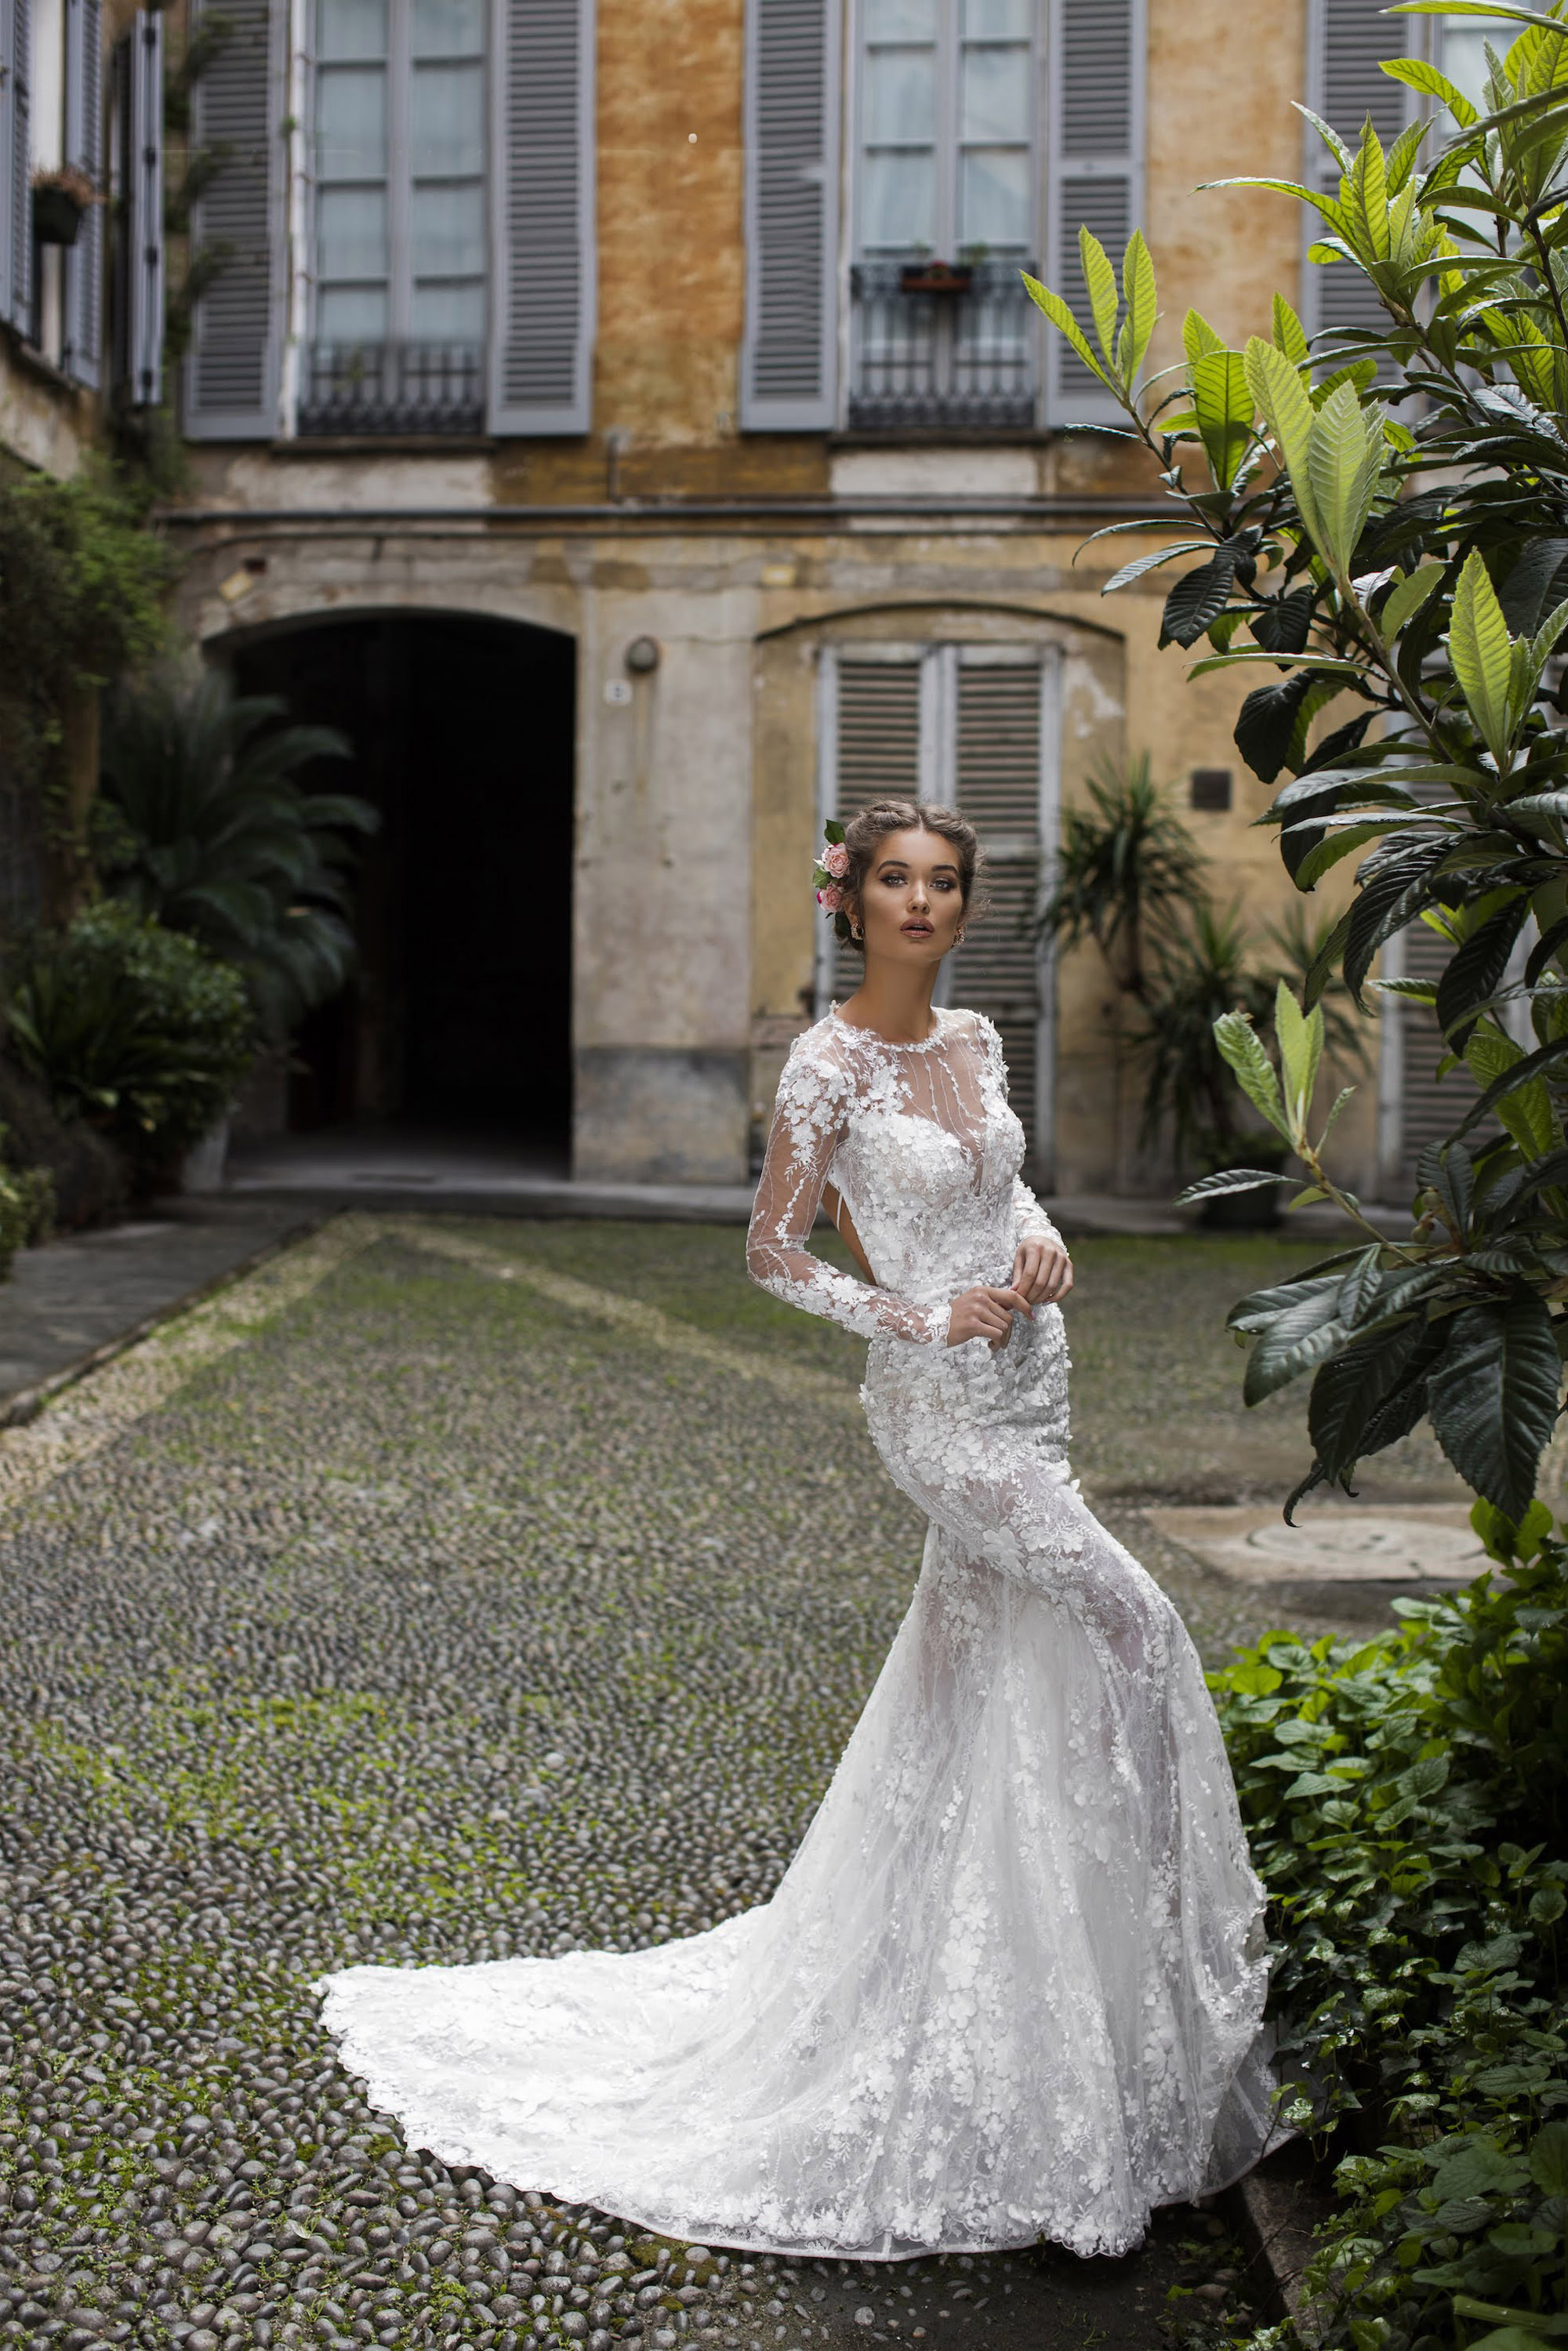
(443, 1591)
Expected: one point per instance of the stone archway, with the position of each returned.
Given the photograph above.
(463, 730)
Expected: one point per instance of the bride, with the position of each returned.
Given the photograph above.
(1011, 1986)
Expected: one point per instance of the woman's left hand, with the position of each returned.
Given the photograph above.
(1044, 1271)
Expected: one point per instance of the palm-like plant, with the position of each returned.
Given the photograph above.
(1124, 861)
(1199, 969)
(216, 839)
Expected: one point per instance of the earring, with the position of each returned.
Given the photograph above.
(957, 938)
(856, 932)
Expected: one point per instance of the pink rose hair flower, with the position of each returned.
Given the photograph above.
(830, 899)
(836, 859)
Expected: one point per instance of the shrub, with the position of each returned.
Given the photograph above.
(1411, 569)
(90, 1178)
(1407, 1804)
(132, 1027)
(208, 831)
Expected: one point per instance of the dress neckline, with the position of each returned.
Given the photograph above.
(919, 1045)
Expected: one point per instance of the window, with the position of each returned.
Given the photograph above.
(949, 95)
(400, 217)
(974, 727)
(947, 105)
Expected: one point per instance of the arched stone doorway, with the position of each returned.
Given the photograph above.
(463, 730)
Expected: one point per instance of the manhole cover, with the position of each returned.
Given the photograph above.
(1430, 1544)
(1350, 1547)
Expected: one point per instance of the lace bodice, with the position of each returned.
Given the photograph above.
(924, 1151)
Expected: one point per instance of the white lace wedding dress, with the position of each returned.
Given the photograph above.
(1010, 1986)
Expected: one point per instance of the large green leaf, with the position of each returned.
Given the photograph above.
(1138, 292)
(1525, 1112)
(1061, 318)
(1100, 278)
(1223, 407)
(1418, 75)
(1407, 597)
(1493, 1397)
(1548, 2158)
(1198, 598)
(1344, 462)
(1350, 1393)
(1243, 1050)
(1479, 649)
(1281, 397)
(1293, 1343)
(1300, 1037)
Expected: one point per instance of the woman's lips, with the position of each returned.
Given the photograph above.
(918, 930)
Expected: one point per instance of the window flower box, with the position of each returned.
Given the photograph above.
(935, 278)
(60, 199)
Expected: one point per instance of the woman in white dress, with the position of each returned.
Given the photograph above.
(1011, 1986)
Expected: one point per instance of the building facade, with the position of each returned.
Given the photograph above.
(624, 419)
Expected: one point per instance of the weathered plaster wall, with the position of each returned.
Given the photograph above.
(44, 421)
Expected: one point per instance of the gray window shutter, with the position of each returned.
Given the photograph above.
(996, 762)
(1346, 41)
(877, 753)
(143, 193)
(1094, 173)
(15, 134)
(788, 366)
(542, 208)
(231, 374)
(82, 345)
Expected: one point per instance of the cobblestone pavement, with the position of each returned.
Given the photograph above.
(439, 1592)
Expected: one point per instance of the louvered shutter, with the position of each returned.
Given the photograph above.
(141, 357)
(1429, 1108)
(542, 212)
(231, 375)
(15, 137)
(81, 351)
(1094, 173)
(997, 970)
(876, 754)
(1346, 42)
(788, 374)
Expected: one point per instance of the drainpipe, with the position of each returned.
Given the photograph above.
(297, 218)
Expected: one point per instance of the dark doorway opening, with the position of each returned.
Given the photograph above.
(463, 735)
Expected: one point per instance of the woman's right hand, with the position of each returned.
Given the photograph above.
(985, 1312)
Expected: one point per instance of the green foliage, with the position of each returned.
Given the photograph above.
(1383, 519)
(1130, 876)
(1406, 1806)
(216, 840)
(82, 582)
(26, 1207)
(1125, 861)
(131, 1027)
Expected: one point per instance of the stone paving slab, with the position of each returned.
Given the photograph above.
(409, 1600)
(88, 1291)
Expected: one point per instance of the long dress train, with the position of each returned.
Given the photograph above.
(1011, 1985)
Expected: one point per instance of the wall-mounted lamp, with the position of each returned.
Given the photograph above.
(643, 655)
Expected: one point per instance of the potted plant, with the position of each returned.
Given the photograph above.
(935, 277)
(60, 198)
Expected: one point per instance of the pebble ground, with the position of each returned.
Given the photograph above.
(443, 1618)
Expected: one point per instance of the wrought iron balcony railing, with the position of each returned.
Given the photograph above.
(352, 388)
(941, 351)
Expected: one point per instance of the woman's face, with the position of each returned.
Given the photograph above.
(911, 902)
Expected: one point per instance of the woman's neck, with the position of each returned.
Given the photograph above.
(896, 1003)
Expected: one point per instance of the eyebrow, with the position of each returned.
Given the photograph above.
(944, 868)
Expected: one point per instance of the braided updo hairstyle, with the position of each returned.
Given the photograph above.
(865, 831)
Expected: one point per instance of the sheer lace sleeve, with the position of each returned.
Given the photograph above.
(810, 1115)
(1030, 1221)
